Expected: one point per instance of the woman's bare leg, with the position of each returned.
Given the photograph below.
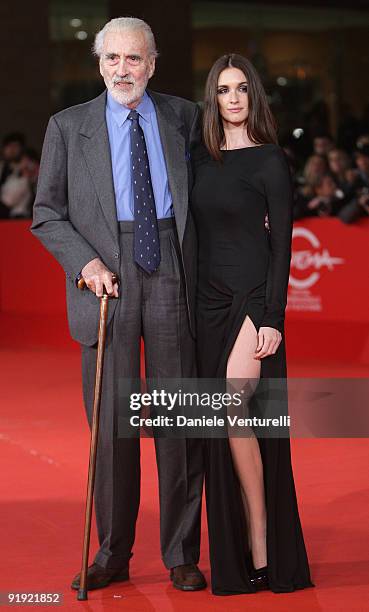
(243, 372)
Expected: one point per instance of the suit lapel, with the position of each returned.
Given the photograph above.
(173, 143)
(96, 150)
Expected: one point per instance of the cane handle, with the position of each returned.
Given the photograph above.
(81, 284)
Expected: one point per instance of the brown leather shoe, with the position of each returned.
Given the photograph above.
(99, 577)
(187, 578)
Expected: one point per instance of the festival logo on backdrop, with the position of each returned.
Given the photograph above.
(309, 263)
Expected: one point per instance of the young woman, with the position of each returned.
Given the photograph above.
(241, 176)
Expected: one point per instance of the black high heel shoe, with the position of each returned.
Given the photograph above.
(258, 577)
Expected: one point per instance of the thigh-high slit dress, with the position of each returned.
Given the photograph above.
(244, 270)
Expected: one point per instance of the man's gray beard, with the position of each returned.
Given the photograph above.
(126, 98)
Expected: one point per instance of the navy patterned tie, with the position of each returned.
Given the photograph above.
(146, 235)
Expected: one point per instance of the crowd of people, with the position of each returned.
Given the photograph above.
(333, 181)
(19, 168)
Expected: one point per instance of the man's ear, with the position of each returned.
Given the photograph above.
(100, 62)
(152, 67)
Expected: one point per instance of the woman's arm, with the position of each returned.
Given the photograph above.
(279, 196)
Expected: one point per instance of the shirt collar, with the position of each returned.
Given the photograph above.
(120, 112)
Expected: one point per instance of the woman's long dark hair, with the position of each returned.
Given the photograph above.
(261, 126)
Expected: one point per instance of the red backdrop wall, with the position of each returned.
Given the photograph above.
(328, 301)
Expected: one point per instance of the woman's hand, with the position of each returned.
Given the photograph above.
(314, 203)
(269, 340)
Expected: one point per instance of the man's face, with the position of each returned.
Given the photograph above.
(12, 151)
(327, 188)
(362, 162)
(322, 145)
(126, 65)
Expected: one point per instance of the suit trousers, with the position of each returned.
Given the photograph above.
(152, 307)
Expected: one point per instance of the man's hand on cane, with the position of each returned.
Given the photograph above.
(97, 276)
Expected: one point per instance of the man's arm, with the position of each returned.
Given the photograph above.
(51, 224)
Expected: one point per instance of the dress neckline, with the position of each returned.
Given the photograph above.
(265, 144)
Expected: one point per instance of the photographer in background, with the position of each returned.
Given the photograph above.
(340, 167)
(325, 200)
(11, 152)
(17, 192)
(358, 207)
(315, 167)
(322, 144)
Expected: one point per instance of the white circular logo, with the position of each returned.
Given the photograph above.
(309, 259)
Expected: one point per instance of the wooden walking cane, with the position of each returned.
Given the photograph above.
(82, 591)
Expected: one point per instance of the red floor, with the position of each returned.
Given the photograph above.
(44, 446)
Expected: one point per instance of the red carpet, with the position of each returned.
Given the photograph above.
(44, 449)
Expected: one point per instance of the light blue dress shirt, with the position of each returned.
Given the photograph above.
(120, 147)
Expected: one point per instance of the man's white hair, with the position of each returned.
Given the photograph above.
(125, 23)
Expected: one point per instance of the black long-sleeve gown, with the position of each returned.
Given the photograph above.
(244, 270)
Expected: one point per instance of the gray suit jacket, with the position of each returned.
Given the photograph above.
(75, 210)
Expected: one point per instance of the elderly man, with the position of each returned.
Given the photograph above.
(113, 198)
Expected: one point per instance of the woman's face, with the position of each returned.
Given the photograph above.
(317, 165)
(233, 102)
(337, 161)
